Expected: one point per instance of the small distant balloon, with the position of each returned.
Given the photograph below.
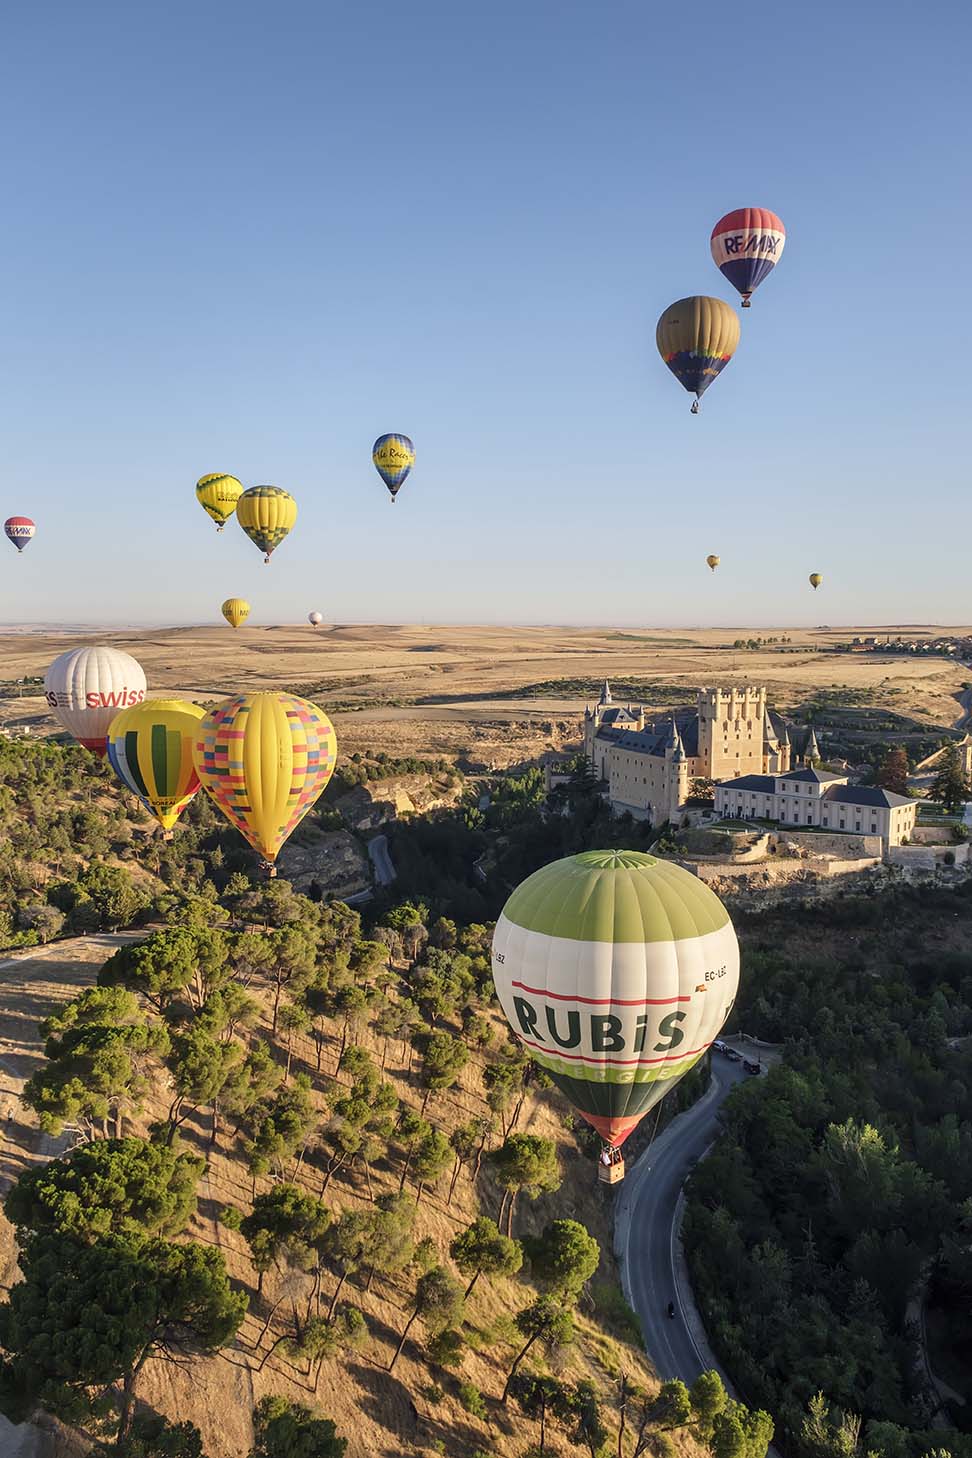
(315, 619)
(697, 337)
(394, 457)
(713, 560)
(218, 494)
(266, 514)
(236, 610)
(815, 580)
(19, 530)
(747, 245)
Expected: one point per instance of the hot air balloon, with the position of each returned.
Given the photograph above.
(394, 457)
(235, 610)
(218, 494)
(266, 514)
(264, 758)
(86, 687)
(815, 580)
(19, 530)
(697, 338)
(315, 619)
(746, 245)
(150, 750)
(616, 970)
(713, 560)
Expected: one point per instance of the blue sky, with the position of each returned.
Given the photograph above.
(251, 238)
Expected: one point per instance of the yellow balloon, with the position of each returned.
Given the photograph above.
(266, 514)
(150, 750)
(697, 338)
(264, 759)
(815, 580)
(713, 560)
(236, 610)
(218, 494)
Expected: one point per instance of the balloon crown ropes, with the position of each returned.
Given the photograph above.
(266, 514)
(697, 337)
(393, 456)
(264, 759)
(19, 530)
(617, 971)
(218, 494)
(747, 245)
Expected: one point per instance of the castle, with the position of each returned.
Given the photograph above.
(650, 765)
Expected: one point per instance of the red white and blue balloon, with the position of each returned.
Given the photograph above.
(747, 245)
(19, 530)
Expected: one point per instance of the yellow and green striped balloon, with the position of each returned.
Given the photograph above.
(150, 750)
(616, 970)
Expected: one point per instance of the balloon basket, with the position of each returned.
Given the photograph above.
(610, 1174)
(695, 407)
(746, 303)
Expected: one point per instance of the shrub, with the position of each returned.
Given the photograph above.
(472, 1399)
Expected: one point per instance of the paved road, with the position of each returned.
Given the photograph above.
(645, 1228)
(381, 860)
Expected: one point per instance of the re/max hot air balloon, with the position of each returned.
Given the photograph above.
(815, 580)
(19, 530)
(394, 457)
(713, 561)
(747, 245)
(150, 750)
(616, 970)
(86, 687)
(266, 514)
(697, 338)
(236, 610)
(218, 494)
(315, 619)
(264, 759)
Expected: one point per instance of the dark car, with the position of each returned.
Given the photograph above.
(751, 1067)
(732, 1055)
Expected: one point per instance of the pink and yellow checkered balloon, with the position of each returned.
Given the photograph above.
(264, 759)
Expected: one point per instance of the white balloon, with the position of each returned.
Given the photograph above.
(86, 687)
(315, 619)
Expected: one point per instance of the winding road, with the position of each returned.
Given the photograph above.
(381, 860)
(646, 1230)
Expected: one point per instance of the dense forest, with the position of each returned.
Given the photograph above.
(830, 1231)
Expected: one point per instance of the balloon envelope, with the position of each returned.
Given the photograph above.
(315, 619)
(746, 245)
(264, 759)
(394, 457)
(86, 687)
(235, 610)
(815, 580)
(218, 494)
(617, 971)
(697, 338)
(266, 514)
(19, 530)
(150, 750)
(713, 560)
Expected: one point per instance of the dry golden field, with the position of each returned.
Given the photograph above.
(449, 690)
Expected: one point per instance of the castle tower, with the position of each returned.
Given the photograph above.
(732, 728)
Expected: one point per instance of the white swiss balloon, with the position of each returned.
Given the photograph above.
(86, 687)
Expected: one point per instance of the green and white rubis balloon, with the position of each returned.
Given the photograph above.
(617, 971)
